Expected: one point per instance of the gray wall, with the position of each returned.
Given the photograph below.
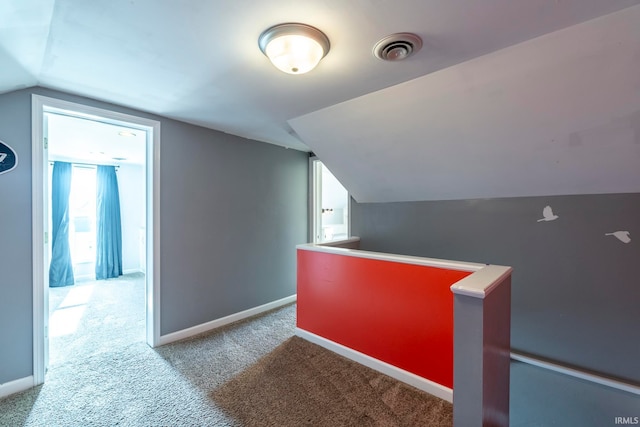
(232, 211)
(230, 221)
(16, 336)
(575, 291)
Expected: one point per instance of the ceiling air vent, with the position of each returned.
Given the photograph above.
(397, 46)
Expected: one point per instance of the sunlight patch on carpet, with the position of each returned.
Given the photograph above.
(66, 319)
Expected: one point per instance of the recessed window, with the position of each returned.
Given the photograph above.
(82, 215)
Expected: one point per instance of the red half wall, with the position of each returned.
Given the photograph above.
(398, 313)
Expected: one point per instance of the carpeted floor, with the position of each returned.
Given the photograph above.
(94, 317)
(300, 383)
(252, 373)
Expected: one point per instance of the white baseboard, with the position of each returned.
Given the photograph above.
(394, 372)
(205, 327)
(16, 386)
(132, 270)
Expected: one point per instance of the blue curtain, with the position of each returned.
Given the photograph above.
(61, 268)
(109, 228)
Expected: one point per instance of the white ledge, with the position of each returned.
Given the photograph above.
(404, 259)
(577, 373)
(482, 282)
(340, 242)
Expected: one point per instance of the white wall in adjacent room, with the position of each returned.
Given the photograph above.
(131, 186)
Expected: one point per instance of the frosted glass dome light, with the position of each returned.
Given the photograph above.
(294, 48)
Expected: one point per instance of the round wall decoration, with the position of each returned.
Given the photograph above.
(8, 158)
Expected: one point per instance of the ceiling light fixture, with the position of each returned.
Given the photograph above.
(294, 48)
(126, 133)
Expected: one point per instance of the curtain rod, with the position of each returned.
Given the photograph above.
(83, 164)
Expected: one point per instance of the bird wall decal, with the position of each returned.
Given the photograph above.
(623, 236)
(547, 214)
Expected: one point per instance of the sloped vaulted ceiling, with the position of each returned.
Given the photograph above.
(559, 114)
(485, 109)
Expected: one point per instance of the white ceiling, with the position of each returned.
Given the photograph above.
(198, 61)
(79, 140)
(556, 115)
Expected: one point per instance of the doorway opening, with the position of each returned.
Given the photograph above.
(90, 144)
(330, 205)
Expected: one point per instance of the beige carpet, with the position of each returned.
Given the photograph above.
(302, 384)
(251, 373)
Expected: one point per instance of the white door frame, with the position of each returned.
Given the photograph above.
(315, 199)
(40, 105)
